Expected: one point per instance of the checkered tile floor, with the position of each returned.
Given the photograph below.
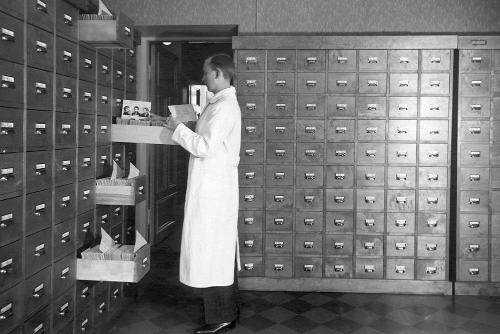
(165, 306)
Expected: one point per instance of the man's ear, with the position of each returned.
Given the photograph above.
(218, 73)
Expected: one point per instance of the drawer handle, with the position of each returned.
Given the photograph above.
(39, 291)
(250, 175)
(435, 60)
(250, 152)
(431, 247)
(432, 200)
(474, 201)
(278, 267)
(476, 83)
(279, 221)
(249, 198)
(65, 129)
(370, 176)
(311, 83)
(339, 199)
(7, 311)
(68, 20)
(435, 83)
(309, 176)
(67, 94)
(341, 107)
(118, 103)
(372, 60)
(279, 244)
(66, 201)
(339, 176)
(475, 130)
(131, 78)
(432, 223)
(86, 194)
(280, 106)
(404, 60)
(310, 153)
(87, 128)
(104, 219)
(39, 250)
(40, 88)
(342, 60)
(65, 273)
(119, 74)
(433, 154)
(400, 246)
(341, 83)
(250, 60)
(249, 266)
(86, 227)
(474, 248)
(339, 222)
(104, 99)
(434, 131)
(8, 82)
(40, 169)
(280, 129)
(400, 269)
(474, 177)
(279, 175)
(280, 83)
(6, 220)
(6, 266)
(308, 267)
(104, 69)
(311, 106)
(402, 130)
(40, 129)
(311, 60)
(340, 129)
(369, 222)
(434, 108)
(281, 60)
(473, 271)
(41, 47)
(371, 107)
(474, 224)
(249, 243)
(401, 176)
(84, 325)
(404, 83)
(475, 154)
(401, 200)
(8, 35)
(403, 107)
(279, 198)
(41, 6)
(250, 129)
(476, 107)
(87, 63)
(371, 130)
(102, 308)
(371, 153)
(116, 211)
(432, 177)
(7, 128)
(308, 198)
(369, 268)
(308, 221)
(87, 97)
(116, 294)
(431, 270)
(145, 262)
(338, 245)
(104, 129)
(400, 223)
(6, 174)
(476, 59)
(310, 129)
(40, 210)
(251, 106)
(338, 268)
(87, 162)
(308, 244)
(370, 199)
(372, 83)
(127, 31)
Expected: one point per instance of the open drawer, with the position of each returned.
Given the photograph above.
(110, 192)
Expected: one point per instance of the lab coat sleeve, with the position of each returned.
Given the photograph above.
(214, 133)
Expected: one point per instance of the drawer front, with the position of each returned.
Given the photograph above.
(473, 224)
(308, 267)
(103, 100)
(401, 200)
(86, 163)
(101, 306)
(339, 244)
(65, 130)
(308, 244)
(117, 98)
(495, 131)
(309, 221)
(371, 199)
(280, 106)
(369, 153)
(117, 234)
(38, 323)
(131, 79)
(403, 130)
(474, 178)
(11, 265)
(11, 130)
(252, 129)
(67, 20)
(433, 154)
(86, 130)
(433, 177)
(39, 89)
(251, 175)
(372, 60)
(86, 102)
(39, 130)
(435, 83)
(434, 130)
(436, 60)
(38, 251)
(475, 84)
(65, 166)
(369, 222)
(11, 308)
(66, 56)
(400, 269)
(342, 60)
(252, 153)
(279, 221)
(309, 199)
(403, 107)
(11, 173)
(38, 170)
(473, 271)
(13, 7)
(475, 154)
(280, 152)
(371, 130)
(84, 322)
(103, 161)
(42, 13)
(310, 130)
(280, 83)
(404, 84)
(11, 218)
(102, 219)
(87, 64)
(250, 221)
(64, 238)
(474, 248)
(477, 107)
(278, 266)
(403, 60)
(338, 267)
(281, 60)
(251, 60)
(84, 294)
(118, 80)
(400, 223)
(310, 153)
(86, 195)
(340, 153)
(12, 83)
(309, 176)
(431, 270)
(251, 266)
(62, 311)
(11, 43)
(251, 198)
(340, 130)
(40, 48)
(432, 200)
(401, 177)
(103, 70)
(399, 246)
(250, 83)
(475, 131)
(280, 129)
(311, 83)
(311, 60)
(431, 223)
(103, 130)
(65, 94)
(371, 106)
(339, 222)
(434, 106)
(341, 106)
(339, 176)
(38, 211)
(252, 106)
(65, 202)
(85, 229)
(279, 198)
(339, 199)
(495, 154)
(474, 201)
(495, 177)
(475, 61)
(342, 83)
(431, 247)
(278, 244)
(369, 268)
(64, 275)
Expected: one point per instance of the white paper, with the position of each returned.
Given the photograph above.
(106, 241)
(139, 241)
(117, 171)
(103, 10)
(183, 112)
(134, 172)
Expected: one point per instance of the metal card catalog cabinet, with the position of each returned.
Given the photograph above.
(355, 134)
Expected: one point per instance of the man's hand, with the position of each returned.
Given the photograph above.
(171, 123)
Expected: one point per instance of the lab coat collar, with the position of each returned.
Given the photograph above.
(223, 93)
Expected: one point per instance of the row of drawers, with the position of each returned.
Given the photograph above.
(399, 84)
(362, 153)
(40, 88)
(336, 130)
(367, 268)
(346, 60)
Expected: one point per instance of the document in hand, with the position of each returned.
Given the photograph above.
(183, 112)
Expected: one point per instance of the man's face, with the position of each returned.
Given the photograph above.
(208, 77)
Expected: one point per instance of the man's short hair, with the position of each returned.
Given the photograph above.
(224, 63)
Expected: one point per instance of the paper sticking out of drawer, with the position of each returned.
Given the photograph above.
(115, 190)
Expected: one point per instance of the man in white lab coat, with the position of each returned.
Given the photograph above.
(209, 248)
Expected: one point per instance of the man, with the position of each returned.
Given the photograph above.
(209, 247)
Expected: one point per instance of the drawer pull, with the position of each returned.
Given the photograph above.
(6, 174)
(400, 246)
(400, 269)
(68, 20)
(434, 108)
(86, 227)
(104, 99)
(8, 35)
(310, 153)
(39, 250)
(280, 106)
(341, 107)
(250, 175)
(66, 201)
(473, 271)
(41, 47)
(340, 153)
(280, 83)
(476, 59)
(474, 177)
(39, 291)
(371, 153)
(309, 176)
(104, 69)
(250, 152)
(340, 129)
(40, 128)
(402, 130)
(339, 222)
(250, 60)
(370, 176)
(116, 294)
(279, 244)
(249, 243)
(339, 176)
(87, 162)
(369, 245)
(370, 199)
(251, 83)
(431, 270)
(41, 6)
(7, 311)
(308, 198)
(281, 60)
(403, 107)
(86, 194)
(435, 60)
(131, 78)
(311, 83)
(431, 247)
(87, 63)
(87, 128)
(104, 129)
(404, 83)
(401, 200)
(401, 176)
(433, 223)
(280, 129)
(249, 266)
(279, 221)
(40, 169)
(432, 200)
(311, 60)
(372, 83)
(7, 128)
(65, 129)
(40, 210)
(404, 60)
(87, 97)
(8, 82)
(338, 245)
(433, 154)
(67, 94)
(476, 107)
(341, 83)
(372, 60)
(310, 129)
(104, 219)
(279, 267)
(250, 129)
(400, 223)
(118, 103)
(116, 211)
(474, 201)
(435, 83)
(371, 107)
(369, 222)
(474, 248)
(474, 224)
(311, 106)
(40, 88)
(249, 198)
(119, 74)
(279, 175)
(308, 221)
(432, 177)
(308, 267)
(342, 60)
(84, 325)
(102, 308)
(369, 268)
(476, 83)
(475, 154)
(6, 220)
(127, 31)
(65, 273)
(6, 266)
(308, 244)
(251, 106)
(475, 130)
(371, 130)
(338, 268)
(279, 198)
(339, 199)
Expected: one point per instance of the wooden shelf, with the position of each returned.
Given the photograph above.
(141, 134)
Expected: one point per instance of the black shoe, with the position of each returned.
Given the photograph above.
(215, 328)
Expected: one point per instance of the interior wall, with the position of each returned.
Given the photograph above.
(320, 16)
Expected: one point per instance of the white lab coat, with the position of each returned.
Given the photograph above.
(209, 235)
